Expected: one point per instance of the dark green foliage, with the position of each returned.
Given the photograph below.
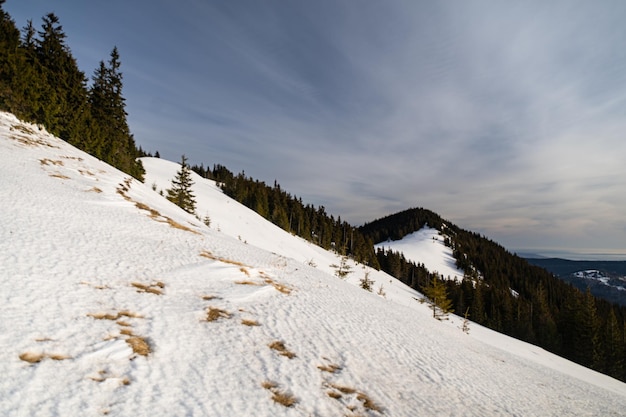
(40, 82)
(438, 299)
(181, 193)
(112, 140)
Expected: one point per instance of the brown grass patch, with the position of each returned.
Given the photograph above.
(249, 322)
(75, 158)
(58, 356)
(247, 283)
(282, 350)
(23, 128)
(111, 316)
(104, 316)
(269, 385)
(209, 255)
(343, 389)
(153, 213)
(32, 357)
(330, 368)
(46, 161)
(130, 314)
(211, 297)
(127, 332)
(123, 323)
(284, 398)
(59, 175)
(215, 313)
(279, 287)
(177, 225)
(139, 345)
(152, 288)
(334, 394)
(245, 271)
(94, 190)
(368, 404)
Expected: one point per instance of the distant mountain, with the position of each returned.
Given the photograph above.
(605, 279)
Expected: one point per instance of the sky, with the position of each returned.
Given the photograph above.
(506, 118)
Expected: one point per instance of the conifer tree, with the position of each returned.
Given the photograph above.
(66, 99)
(112, 141)
(438, 299)
(181, 193)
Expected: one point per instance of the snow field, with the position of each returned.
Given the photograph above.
(91, 261)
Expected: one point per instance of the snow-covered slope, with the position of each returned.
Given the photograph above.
(115, 302)
(426, 246)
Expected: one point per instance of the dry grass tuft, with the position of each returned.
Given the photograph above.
(334, 394)
(247, 283)
(123, 323)
(139, 345)
(207, 254)
(32, 357)
(59, 175)
(215, 313)
(94, 190)
(368, 403)
(104, 316)
(284, 398)
(46, 161)
(211, 297)
(343, 389)
(110, 316)
(282, 350)
(58, 356)
(331, 368)
(269, 385)
(152, 288)
(130, 314)
(127, 332)
(245, 271)
(282, 288)
(177, 225)
(249, 322)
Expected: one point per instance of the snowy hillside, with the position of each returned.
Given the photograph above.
(426, 246)
(116, 302)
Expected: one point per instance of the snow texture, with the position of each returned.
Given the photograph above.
(116, 302)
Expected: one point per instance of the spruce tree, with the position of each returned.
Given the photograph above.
(438, 299)
(112, 140)
(181, 193)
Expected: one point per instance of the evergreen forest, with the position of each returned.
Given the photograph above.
(40, 82)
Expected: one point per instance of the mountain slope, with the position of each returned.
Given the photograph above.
(109, 293)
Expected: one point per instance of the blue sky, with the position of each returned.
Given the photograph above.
(507, 118)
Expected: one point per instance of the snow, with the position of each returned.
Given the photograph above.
(426, 246)
(92, 261)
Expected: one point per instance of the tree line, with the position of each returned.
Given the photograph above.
(40, 82)
(291, 214)
(504, 292)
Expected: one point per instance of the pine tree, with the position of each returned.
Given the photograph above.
(438, 299)
(112, 140)
(66, 100)
(181, 193)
